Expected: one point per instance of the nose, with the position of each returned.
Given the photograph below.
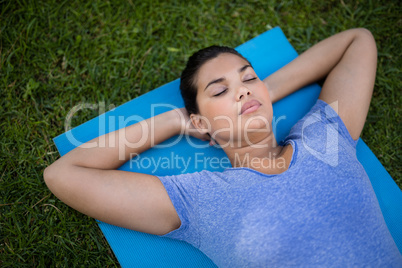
(242, 92)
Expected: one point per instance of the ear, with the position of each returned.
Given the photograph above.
(200, 123)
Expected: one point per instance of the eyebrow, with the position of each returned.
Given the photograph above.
(242, 69)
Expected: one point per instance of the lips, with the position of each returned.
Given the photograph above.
(250, 106)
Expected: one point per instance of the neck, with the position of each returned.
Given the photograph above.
(263, 154)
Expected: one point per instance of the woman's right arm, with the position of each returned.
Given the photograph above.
(87, 180)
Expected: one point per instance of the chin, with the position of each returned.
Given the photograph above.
(258, 127)
(258, 122)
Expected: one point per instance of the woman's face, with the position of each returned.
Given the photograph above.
(234, 104)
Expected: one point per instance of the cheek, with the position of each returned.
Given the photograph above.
(263, 92)
(219, 116)
(212, 108)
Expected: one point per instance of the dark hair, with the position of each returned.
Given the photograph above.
(188, 87)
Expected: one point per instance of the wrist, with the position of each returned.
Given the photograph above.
(271, 90)
(176, 120)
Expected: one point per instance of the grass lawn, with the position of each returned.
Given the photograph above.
(56, 54)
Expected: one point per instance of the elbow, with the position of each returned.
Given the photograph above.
(49, 176)
(52, 175)
(367, 46)
(368, 37)
(365, 31)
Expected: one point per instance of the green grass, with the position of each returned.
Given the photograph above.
(54, 55)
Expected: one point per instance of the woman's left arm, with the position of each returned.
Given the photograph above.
(350, 83)
(348, 60)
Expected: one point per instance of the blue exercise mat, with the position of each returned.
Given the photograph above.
(267, 53)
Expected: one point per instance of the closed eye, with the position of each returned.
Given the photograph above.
(220, 93)
(251, 79)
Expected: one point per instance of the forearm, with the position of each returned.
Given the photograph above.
(112, 150)
(312, 65)
(86, 179)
